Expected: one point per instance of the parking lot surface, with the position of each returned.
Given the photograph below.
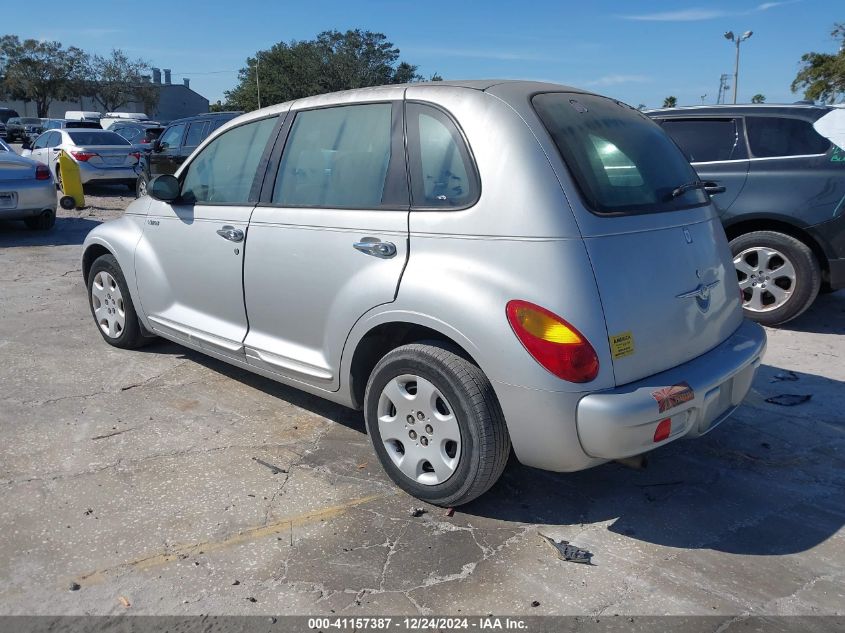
(131, 482)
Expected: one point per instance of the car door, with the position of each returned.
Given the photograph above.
(163, 157)
(53, 149)
(716, 149)
(329, 240)
(189, 263)
(792, 174)
(39, 150)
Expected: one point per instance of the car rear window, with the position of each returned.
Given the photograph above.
(621, 161)
(97, 138)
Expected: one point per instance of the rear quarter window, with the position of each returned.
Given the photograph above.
(621, 161)
(775, 136)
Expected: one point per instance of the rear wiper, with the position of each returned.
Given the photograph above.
(689, 186)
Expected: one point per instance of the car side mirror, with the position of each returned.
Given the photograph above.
(164, 188)
(712, 188)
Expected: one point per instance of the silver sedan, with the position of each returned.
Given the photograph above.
(27, 191)
(103, 157)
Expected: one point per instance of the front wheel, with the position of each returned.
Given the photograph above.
(436, 424)
(779, 276)
(141, 186)
(111, 304)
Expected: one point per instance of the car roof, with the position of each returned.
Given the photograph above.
(194, 117)
(743, 109)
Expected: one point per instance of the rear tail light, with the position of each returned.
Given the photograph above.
(663, 430)
(553, 342)
(42, 172)
(83, 157)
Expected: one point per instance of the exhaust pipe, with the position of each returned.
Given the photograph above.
(637, 462)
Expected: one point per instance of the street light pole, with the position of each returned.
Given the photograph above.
(738, 39)
(258, 84)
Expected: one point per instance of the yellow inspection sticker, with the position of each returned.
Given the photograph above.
(622, 344)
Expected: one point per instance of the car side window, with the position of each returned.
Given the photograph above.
(706, 140)
(41, 141)
(196, 133)
(442, 173)
(336, 158)
(54, 139)
(223, 172)
(775, 136)
(172, 136)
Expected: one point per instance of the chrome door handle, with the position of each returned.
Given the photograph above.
(231, 233)
(375, 247)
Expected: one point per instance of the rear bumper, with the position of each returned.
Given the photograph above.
(32, 198)
(564, 432)
(623, 421)
(89, 173)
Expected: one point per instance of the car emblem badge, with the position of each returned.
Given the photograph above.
(687, 235)
(701, 294)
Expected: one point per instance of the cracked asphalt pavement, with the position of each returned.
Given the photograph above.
(174, 484)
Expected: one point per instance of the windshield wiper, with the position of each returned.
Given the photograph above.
(689, 186)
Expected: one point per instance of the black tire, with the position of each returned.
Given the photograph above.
(131, 336)
(485, 444)
(43, 222)
(141, 186)
(59, 179)
(807, 278)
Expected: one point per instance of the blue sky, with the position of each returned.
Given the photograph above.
(639, 52)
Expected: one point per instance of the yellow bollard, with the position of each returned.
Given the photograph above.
(71, 181)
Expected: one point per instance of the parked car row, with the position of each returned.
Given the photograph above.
(782, 207)
(573, 297)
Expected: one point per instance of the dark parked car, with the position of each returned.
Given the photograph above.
(20, 128)
(6, 114)
(177, 141)
(143, 135)
(783, 207)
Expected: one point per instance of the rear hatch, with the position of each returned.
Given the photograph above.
(660, 257)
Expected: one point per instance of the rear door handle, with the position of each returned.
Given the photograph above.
(375, 247)
(231, 233)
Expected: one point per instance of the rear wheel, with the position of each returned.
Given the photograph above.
(435, 424)
(778, 275)
(141, 186)
(111, 305)
(42, 222)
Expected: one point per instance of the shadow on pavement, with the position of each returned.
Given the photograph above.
(825, 316)
(67, 231)
(768, 481)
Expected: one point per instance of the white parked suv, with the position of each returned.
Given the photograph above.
(476, 265)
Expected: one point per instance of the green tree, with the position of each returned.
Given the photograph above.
(822, 75)
(435, 77)
(116, 80)
(758, 98)
(333, 61)
(642, 107)
(41, 71)
(670, 102)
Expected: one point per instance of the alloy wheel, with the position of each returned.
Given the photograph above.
(766, 278)
(107, 301)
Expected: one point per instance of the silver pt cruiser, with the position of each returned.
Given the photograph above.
(477, 265)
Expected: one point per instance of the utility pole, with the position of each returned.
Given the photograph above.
(723, 88)
(257, 83)
(737, 40)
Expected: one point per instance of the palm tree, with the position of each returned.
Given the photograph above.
(670, 102)
(758, 98)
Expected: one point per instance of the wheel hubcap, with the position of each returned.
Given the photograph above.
(419, 430)
(142, 188)
(766, 277)
(107, 301)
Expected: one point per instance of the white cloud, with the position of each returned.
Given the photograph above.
(697, 14)
(615, 80)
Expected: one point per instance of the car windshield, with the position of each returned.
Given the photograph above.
(622, 162)
(97, 138)
(31, 121)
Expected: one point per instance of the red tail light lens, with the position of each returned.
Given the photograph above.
(663, 430)
(83, 157)
(553, 342)
(135, 155)
(42, 172)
